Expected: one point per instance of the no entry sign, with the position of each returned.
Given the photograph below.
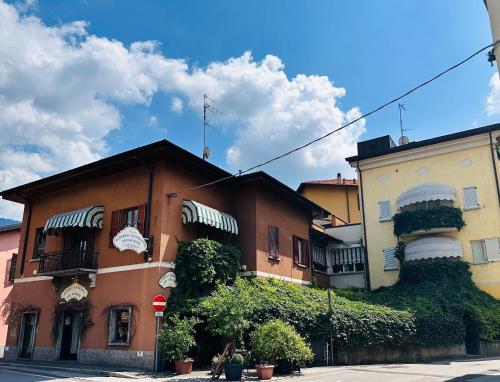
(159, 303)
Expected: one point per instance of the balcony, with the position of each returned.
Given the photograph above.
(71, 262)
(428, 221)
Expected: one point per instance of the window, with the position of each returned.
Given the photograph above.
(478, 251)
(119, 326)
(350, 259)
(273, 241)
(40, 239)
(470, 198)
(12, 268)
(128, 217)
(390, 261)
(319, 259)
(300, 251)
(384, 210)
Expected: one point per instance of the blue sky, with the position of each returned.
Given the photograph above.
(374, 50)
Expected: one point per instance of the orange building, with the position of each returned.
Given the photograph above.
(79, 298)
(339, 195)
(9, 240)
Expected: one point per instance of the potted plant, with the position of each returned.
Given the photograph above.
(277, 341)
(233, 368)
(176, 339)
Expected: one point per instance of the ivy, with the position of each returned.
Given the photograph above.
(426, 219)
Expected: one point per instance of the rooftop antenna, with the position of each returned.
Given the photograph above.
(208, 104)
(403, 140)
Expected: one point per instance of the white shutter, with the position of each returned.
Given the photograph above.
(492, 249)
(470, 198)
(384, 210)
(390, 261)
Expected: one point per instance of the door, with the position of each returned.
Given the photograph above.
(70, 329)
(26, 341)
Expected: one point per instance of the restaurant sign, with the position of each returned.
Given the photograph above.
(74, 292)
(130, 238)
(168, 280)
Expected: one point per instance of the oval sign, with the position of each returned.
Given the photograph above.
(74, 292)
(130, 238)
(168, 280)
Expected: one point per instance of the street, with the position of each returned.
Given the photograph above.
(472, 369)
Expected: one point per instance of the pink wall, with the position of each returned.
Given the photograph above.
(9, 242)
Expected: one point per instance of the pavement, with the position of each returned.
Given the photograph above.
(459, 370)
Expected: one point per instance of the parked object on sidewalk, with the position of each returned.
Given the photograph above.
(176, 339)
(233, 368)
(264, 372)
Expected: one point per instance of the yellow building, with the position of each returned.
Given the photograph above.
(424, 192)
(340, 196)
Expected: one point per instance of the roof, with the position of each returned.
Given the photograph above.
(328, 182)
(429, 142)
(10, 227)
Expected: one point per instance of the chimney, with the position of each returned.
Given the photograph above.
(339, 177)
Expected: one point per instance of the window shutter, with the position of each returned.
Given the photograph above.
(273, 241)
(492, 249)
(141, 218)
(478, 251)
(116, 217)
(307, 253)
(384, 210)
(470, 198)
(390, 259)
(13, 267)
(295, 244)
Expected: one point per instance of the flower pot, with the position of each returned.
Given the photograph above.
(264, 371)
(283, 367)
(233, 371)
(184, 367)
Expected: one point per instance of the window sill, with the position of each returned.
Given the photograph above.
(348, 273)
(34, 260)
(118, 344)
(391, 269)
(300, 265)
(473, 208)
(321, 272)
(272, 258)
(385, 220)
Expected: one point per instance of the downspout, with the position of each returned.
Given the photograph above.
(493, 162)
(367, 265)
(347, 201)
(147, 218)
(26, 233)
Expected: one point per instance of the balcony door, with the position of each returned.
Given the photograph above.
(78, 247)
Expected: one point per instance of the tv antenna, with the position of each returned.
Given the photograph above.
(403, 140)
(208, 105)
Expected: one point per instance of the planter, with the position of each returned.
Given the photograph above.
(264, 371)
(233, 371)
(184, 367)
(283, 367)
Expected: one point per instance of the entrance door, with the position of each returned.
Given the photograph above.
(69, 333)
(27, 332)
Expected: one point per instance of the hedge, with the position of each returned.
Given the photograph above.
(426, 219)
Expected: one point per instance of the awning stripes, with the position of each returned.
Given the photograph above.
(91, 217)
(426, 192)
(195, 212)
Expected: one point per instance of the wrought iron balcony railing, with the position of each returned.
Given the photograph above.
(68, 262)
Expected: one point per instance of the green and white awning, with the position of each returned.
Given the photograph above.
(90, 217)
(195, 212)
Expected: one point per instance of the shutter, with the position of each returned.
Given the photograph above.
(390, 259)
(307, 251)
(13, 267)
(141, 218)
(470, 198)
(116, 217)
(492, 249)
(295, 243)
(273, 241)
(385, 210)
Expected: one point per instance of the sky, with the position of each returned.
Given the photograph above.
(84, 79)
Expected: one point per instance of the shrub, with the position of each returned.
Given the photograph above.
(426, 219)
(276, 341)
(177, 337)
(238, 359)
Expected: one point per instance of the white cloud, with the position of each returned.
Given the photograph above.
(153, 121)
(61, 89)
(493, 100)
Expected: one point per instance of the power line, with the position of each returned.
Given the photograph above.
(309, 143)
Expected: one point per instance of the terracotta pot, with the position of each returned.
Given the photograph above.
(184, 367)
(264, 371)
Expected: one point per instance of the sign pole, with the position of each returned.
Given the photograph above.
(156, 341)
(159, 304)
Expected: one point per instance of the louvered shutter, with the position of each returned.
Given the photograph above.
(492, 249)
(116, 226)
(307, 252)
(385, 210)
(141, 218)
(295, 249)
(13, 267)
(390, 259)
(273, 241)
(470, 198)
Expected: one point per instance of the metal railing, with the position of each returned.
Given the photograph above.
(55, 262)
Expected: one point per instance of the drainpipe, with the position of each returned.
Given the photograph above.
(493, 162)
(347, 201)
(147, 218)
(26, 232)
(367, 265)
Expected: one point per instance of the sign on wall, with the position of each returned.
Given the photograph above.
(130, 238)
(168, 280)
(74, 292)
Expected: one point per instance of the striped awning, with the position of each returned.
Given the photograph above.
(195, 212)
(90, 217)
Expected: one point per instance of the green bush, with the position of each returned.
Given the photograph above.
(276, 341)
(426, 219)
(177, 337)
(237, 359)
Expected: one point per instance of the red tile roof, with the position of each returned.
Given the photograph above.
(329, 182)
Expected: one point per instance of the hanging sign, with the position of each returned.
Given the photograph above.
(74, 292)
(130, 238)
(168, 280)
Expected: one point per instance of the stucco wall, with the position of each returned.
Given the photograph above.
(464, 168)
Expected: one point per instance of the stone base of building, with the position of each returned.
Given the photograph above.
(111, 357)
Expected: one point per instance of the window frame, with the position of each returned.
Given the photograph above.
(119, 221)
(112, 325)
(381, 218)
(465, 207)
(273, 246)
(301, 258)
(37, 248)
(396, 262)
(351, 253)
(483, 249)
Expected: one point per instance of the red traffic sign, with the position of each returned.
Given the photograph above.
(159, 303)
